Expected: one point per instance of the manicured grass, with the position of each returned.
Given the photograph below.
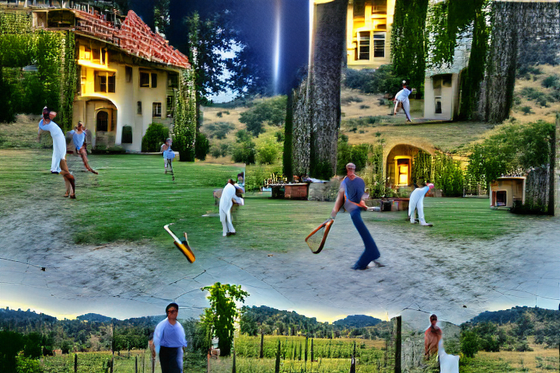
(131, 200)
(465, 218)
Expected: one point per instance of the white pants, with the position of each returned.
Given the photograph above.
(405, 106)
(59, 152)
(416, 203)
(225, 218)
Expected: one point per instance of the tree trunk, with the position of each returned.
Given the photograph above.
(328, 54)
(316, 104)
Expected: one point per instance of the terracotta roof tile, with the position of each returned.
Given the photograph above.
(133, 36)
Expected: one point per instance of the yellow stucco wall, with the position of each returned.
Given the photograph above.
(122, 104)
(372, 21)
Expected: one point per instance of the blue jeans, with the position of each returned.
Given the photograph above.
(371, 252)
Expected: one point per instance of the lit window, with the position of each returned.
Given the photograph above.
(83, 80)
(111, 83)
(87, 53)
(156, 111)
(378, 44)
(363, 45)
(96, 55)
(104, 82)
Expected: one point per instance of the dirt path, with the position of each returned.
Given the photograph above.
(455, 279)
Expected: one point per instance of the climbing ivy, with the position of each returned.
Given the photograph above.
(441, 42)
(69, 79)
(54, 83)
(422, 168)
(448, 175)
(473, 75)
(408, 41)
(184, 129)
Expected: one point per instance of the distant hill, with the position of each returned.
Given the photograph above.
(94, 317)
(7, 315)
(357, 321)
(514, 314)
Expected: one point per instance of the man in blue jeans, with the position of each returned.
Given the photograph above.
(350, 195)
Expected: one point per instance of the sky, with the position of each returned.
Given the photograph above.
(257, 19)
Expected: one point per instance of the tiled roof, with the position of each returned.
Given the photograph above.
(133, 36)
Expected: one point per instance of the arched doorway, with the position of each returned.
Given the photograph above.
(399, 163)
(102, 121)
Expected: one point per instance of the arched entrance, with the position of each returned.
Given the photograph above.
(400, 162)
(102, 121)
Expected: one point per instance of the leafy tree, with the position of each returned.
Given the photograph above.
(10, 344)
(512, 149)
(207, 40)
(222, 314)
(244, 148)
(162, 19)
(247, 323)
(272, 111)
(469, 343)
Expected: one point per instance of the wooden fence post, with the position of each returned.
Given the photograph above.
(75, 363)
(277, 363)
(261, 354)
(398, 345)
(136, 364)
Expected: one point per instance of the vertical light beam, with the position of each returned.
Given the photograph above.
(276, 72)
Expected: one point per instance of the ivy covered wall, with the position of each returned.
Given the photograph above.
(184, 128)
(408, 41)
(53, 84)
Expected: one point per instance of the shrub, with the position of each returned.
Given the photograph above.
(202, 146)
(268, 150)
(469, 343)
(381, 80)
(526, 110)
(156, 134)
(219, 150)
(219, 130)
(349, 99)
(448, 175)
(357, 154)
(551, 81)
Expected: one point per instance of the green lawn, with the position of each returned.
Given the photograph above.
(131, 200)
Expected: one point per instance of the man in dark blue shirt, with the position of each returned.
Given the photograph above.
(350, 195)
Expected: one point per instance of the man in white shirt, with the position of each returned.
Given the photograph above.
(169, 341)
(402, 98)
